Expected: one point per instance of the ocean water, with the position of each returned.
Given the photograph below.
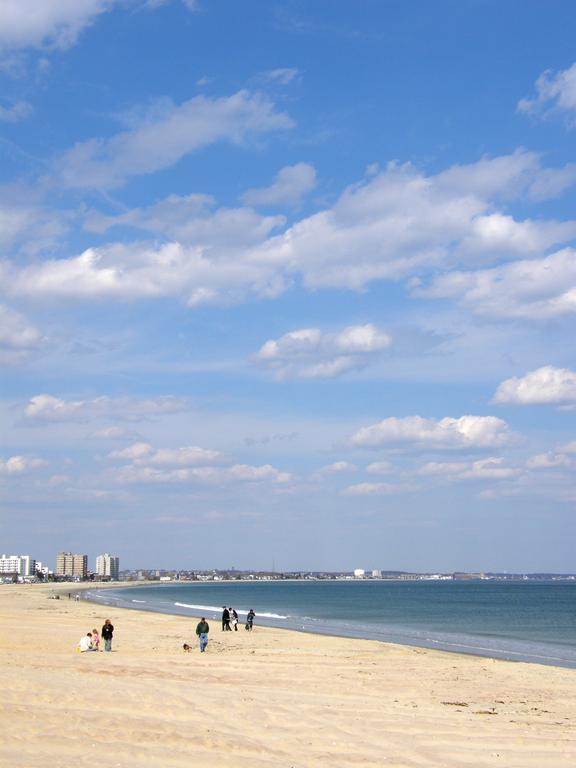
(523, 621)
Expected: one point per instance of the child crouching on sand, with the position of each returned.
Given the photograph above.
(95, 640)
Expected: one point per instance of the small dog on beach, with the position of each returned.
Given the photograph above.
(186, 648)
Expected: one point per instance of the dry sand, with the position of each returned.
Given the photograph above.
(272, 698)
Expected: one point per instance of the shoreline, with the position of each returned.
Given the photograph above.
(276, 698)
(450, 643)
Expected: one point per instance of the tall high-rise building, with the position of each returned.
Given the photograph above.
(108, 566)
(68, 564)
(22, 565)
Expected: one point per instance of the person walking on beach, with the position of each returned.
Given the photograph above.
(107, 632)
(202, 631)
(250, 620)
(234, 619)
(225, 619)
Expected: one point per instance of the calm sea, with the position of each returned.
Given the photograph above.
(524, 621)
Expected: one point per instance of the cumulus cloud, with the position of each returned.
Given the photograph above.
(467, 432)
(144, 453)
(550, 460)
(396, 224)
(46, 409)
(17, 465)
(115, 433)
(27, 227)
(165, 134)
(289, 187)
(193, 219)
(555, 91)
(375, 489)
(546, 385)
(380, 468)
(237, 473)
(54, 23)
(18, 338)
(311, 353)
(534, 288)
(484, 469)
(17, 112)
(137, 271)
(338, 467)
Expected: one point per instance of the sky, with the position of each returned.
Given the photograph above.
(289, 284)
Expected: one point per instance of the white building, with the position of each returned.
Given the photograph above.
(359, 573)
(108, 566)
(22, 565)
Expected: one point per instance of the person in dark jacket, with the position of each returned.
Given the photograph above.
(107, 633)
(250, 620)
(225, 618)
(202, 631)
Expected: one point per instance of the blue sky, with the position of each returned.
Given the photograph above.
(289, 282)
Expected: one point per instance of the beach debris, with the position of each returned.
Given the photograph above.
(455, 703)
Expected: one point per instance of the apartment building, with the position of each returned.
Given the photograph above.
(22, 565)
(108, 566)
(68, 564)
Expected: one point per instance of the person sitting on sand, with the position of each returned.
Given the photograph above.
(202, 631)
(85, 643)
(96, 639)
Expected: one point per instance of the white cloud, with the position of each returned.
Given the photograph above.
(546, 385)
(144, 454)
(338, 467)
(193, 220)
(44, 409)
(484, 469)
(311, 353)
(568, 447)
(17, 465)
(554, 92)
(535, 288)
(17, 112)
(17, 336)
(375, 489)
(237, 473)
(164, 135)
(282, 75)
(38, 23)
(137, 271)
(289, 187)
(396, 224)
(115, 433)
(380, 468)
(467, 432)
(549, 460)
(28, 227)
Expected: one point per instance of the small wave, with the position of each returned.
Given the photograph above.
(217, 609)
(138, 601)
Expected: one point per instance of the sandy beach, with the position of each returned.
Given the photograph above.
(272, 698)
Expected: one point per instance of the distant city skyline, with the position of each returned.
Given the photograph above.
(289, 283)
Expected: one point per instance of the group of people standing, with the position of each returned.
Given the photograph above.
(91, 640)
(230, 619)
